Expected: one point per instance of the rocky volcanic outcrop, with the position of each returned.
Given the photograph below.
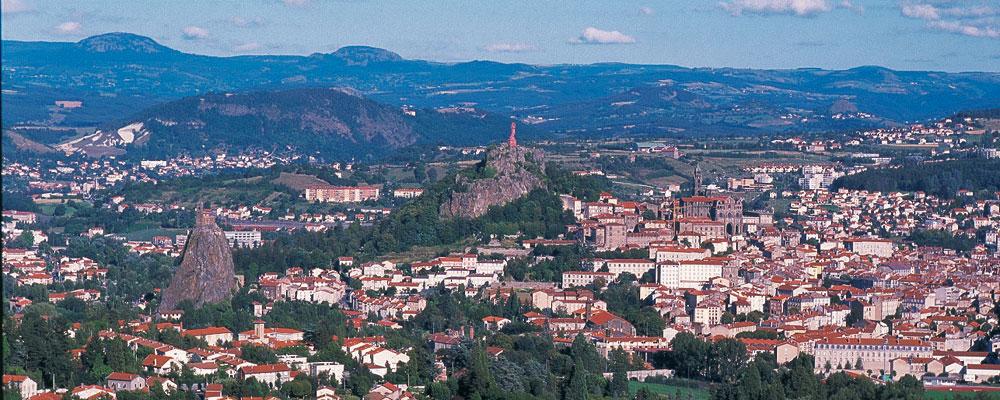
(206, 274)
(510, 172)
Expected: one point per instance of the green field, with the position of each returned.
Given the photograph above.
(69, 208)
(669, 390)
(147, 234)
(946, 395)
(780, 205)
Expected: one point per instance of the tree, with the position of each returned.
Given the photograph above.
(439, 391)
(727, 357)
(857, 313)
(619, 374)
(751, 383)
(648, 215)
(513, 307)
(46, 346)
(585, 354)
(25, 240)
(800, 378)
(258, 354)
(420, 172)
(478, 380)
(6, 351)
(11, 393)
(907, 388)
(361, 380)
(577, 385)
(687, 356)
(647, 322)
(300, 387)
(418, 371)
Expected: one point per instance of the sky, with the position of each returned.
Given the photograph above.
(946, 35)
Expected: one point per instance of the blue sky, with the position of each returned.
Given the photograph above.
(950, 35)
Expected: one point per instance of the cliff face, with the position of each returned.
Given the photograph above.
(206, 274)
(512, 172)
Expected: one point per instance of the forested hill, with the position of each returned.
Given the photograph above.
(331, 122)
(419, 223)
(943, 179)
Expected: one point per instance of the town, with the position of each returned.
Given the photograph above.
(632, 276)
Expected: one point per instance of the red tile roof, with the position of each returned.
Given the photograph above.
(265, 369)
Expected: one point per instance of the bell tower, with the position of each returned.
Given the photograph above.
(697, 181)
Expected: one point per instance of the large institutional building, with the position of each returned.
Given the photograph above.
(242, 239)
(693, 274)
(875, 354)
(728, 211)
(341, 194)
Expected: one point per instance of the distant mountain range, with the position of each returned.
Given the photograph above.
(119, 76)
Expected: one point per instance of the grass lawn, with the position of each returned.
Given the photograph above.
(69, 207)
(780, 205)
(420, 253)
(659, 388)
(147, 234)
(298, 182)
(948, 395)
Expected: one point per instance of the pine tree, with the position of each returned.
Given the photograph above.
(577, 387)
(585, 354)
(478, 381)
(513, 307)
(619, 374)
(751, 385)
(45, 347)
(6, 351)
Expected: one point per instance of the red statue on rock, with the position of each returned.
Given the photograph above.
(512, 141)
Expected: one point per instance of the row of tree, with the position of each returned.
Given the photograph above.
(942, 179)
(763, 379)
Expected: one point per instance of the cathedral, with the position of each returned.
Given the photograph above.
(724, 210)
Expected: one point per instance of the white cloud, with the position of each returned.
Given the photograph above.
(510, 48)
(14, 6)
(593, 35)
(646, 11)
(295, 3)
(800, 8)
(856, 7)
(194, 33)
(242, 22)
(68, 28)
(967, 18)
(965, 29)
(921, 11)
(246, 47)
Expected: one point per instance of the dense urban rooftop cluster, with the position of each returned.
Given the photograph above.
(836, 275)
